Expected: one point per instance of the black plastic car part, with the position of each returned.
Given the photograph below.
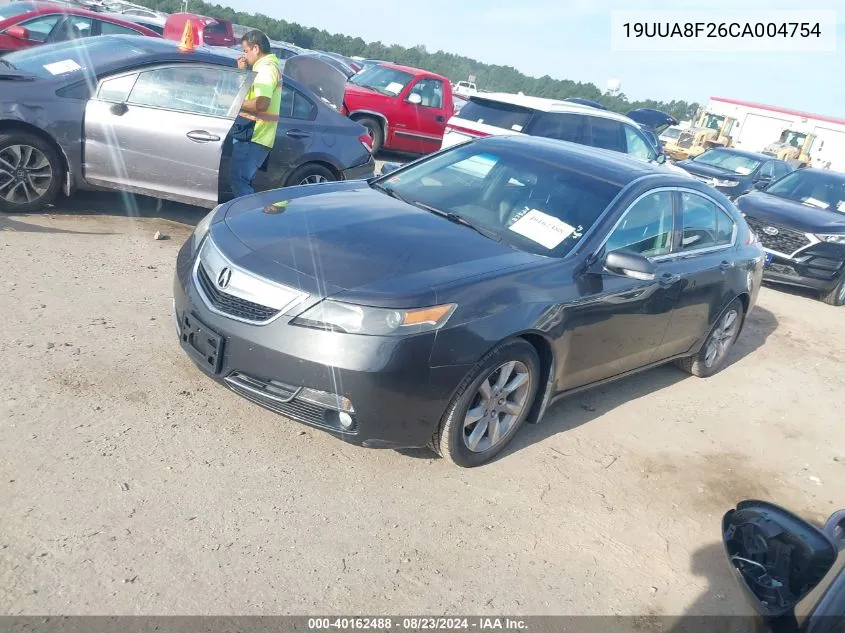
(778, 556)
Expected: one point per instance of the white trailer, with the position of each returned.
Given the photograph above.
(759, 125)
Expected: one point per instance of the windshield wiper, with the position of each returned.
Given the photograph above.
(452, 217)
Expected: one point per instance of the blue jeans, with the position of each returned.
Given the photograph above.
(246, 159)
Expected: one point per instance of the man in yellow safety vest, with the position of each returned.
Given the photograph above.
(255, 128)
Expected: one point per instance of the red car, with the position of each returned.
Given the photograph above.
(25, 24)
(210, 31)
(404, 109)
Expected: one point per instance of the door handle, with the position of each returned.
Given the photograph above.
(201, 136)
(668, 279)
(297, 134)
(726, 266)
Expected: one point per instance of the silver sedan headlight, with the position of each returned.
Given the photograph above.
(350, 318)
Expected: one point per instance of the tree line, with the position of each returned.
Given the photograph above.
(455, 67)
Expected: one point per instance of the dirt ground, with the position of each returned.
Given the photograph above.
(131, 484)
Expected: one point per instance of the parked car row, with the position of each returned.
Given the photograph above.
(108, 105)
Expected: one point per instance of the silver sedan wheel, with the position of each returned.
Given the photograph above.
(25, 174)
(497, 406)
(314, 179)
(720, 340)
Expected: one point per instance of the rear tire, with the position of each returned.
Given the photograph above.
(310, 174)
(835, 297)
(374, 129)
(31, 172)
(490, 405)
(710, 359)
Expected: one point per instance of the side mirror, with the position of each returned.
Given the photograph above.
(777, 557)
(18, 32)
(834, 529)
(414, 98)
(661, 158)
(762, 183)
(630, 264)
(386, 168)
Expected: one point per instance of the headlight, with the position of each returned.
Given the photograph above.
(201, 229)
(836, 239)
(725, 183)
(355, 319)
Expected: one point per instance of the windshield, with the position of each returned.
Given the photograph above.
(713, 122)
(14, 9)
(534, 205)
(383, 79)
(52, 60)
(795, 139)
(496, 113)
(823, 190)
(737, 163)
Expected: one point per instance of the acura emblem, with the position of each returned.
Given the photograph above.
(770, 230)
(224, 278)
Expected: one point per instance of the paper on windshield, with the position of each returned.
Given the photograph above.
(64, 66)
(841, 206)
(542, 228)
(816, 203)
(742, 171)
(394, 87)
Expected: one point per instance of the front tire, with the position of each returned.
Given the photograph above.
(375, 131)
(31, 173)
(835, 297)
(490, 405)
(710, 359)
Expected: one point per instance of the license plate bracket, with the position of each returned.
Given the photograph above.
(202, 343)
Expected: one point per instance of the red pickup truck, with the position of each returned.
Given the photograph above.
(404, 109)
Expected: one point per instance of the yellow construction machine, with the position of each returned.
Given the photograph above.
(793, 147)
(711, 130)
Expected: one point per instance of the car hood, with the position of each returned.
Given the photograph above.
(700, 169)
(338, 237)
(801, 217)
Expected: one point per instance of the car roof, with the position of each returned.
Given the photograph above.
(602, 164)
(551, 105)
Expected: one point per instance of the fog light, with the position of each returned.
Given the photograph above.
(346, 420)
(326, 399)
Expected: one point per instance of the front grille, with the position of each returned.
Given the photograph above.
(281, 398)
(231, 305)
(787, 241)
(782, 269)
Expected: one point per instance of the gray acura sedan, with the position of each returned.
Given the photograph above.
(448, 302)
(137, 114)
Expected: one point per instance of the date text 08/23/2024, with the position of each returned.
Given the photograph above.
(416, 624)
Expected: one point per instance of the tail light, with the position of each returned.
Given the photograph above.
(367, 142)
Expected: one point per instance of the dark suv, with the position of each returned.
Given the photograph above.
(735, 172)
(800, 220)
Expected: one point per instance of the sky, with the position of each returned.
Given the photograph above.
(570, 39)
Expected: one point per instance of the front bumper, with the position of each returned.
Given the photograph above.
(397, 399)
(361, 172)
(810, 270)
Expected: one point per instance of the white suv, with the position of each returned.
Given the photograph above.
(503, 113)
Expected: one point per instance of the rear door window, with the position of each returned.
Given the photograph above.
(564, 127)
(502, 115)
(110, 28)
(607, 134)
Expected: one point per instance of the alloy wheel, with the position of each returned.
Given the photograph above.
(313, 179)
(720, 340)
(25, 174)
(497, 406)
